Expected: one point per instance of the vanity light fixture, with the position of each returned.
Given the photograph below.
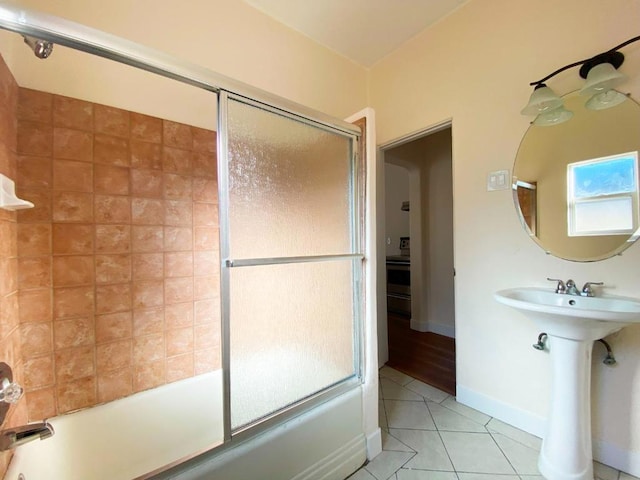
(601, 77)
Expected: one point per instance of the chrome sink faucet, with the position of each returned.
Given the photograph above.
(569, 288)
(587, 291)
(14, 437)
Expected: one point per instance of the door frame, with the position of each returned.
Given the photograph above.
(416, 243)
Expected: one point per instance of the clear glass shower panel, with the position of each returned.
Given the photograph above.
(292, 334)
(289, 186)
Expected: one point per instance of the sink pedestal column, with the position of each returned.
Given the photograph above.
(566, 449)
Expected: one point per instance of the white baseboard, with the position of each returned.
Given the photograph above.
(519, 418)
(374, 444)
(439, 328)
(624, 460)
(339, 464)
(603, 452)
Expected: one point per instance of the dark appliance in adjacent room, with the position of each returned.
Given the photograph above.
(399, 280)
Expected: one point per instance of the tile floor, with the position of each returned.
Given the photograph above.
(427, 435)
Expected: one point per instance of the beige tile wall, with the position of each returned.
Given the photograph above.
(10, 347)
(118, 262)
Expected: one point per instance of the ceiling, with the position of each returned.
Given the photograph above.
(363, 30)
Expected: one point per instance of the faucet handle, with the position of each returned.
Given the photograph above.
(587, 291)
(560, 287)
(10, 392)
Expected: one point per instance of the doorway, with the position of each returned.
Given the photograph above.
(419, 233)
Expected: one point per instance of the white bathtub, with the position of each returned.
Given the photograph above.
(127, 438)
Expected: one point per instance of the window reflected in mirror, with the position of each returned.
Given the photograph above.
(602, 196)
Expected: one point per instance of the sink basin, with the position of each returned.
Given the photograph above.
(572, 323)
(571, 316)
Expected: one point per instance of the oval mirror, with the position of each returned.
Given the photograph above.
(575, 184)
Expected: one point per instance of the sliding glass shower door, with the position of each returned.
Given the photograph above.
(291, 258)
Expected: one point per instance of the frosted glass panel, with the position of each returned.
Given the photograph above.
(289, 186)
(291, 334)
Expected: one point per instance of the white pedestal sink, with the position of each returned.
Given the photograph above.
(572, 324)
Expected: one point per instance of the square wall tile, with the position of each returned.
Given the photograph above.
(111, 150)
(147, 238)
(35, 139)
(180, 367)
(72, 176)
(36, 339)
(73, 270)
(115, 384)
(41, 404)
(112, 209)
(177, 135)
(114, 326)
(148, 321)
(72, 144)
(111, 121)
(34, 306)
(74, 363)
(34, 272)
(73, 302)
(75, 332)
(115, 268)
(176, 160)
(144, 127)
(113, 298)
(72, 207)
(178, 264)
(146, 183)
(34, 239)
(113, 238)
(114, 355)
(72, 239)
(111, 180)
(147, 266)
(146, 155)
(34, 105)
(179, 315)
(203, 140)
(72, 113)
(34, 172)
(42, 210)
(76, 394)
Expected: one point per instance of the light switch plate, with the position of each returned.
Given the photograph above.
(498, 180)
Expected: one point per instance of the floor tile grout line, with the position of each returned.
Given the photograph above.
(391, 435)
(504, 454)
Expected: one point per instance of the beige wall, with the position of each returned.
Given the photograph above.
(396, 191)
(474, 67)
(227, 36)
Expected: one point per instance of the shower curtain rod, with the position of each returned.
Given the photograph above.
(80, 37)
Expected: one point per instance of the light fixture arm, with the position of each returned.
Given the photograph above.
(610, 56)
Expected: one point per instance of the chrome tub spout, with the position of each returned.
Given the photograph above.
(14, 437)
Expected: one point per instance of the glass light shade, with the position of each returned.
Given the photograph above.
(542, 100)
(553, 117)
(601, 78)
(604, 100)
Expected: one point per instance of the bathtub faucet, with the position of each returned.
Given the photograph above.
(14, 437)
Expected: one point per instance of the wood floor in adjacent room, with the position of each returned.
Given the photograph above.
(426, 356)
